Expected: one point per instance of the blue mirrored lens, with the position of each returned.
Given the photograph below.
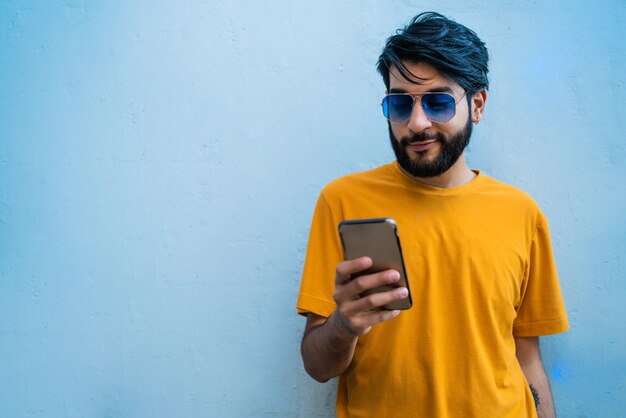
(397, 107)
(438, 107)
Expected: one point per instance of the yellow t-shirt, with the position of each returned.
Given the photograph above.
(481, 271)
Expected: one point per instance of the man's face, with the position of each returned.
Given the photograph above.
(424, 148)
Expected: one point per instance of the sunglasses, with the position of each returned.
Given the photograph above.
(438, 107)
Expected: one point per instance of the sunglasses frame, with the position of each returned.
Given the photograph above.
(416, 96)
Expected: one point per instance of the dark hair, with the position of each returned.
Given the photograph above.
(450, 47)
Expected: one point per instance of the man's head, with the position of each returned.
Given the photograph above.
(433, 54)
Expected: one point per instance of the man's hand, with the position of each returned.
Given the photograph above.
(328, 343)
(355, 314)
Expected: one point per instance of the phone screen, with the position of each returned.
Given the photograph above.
(378, 239)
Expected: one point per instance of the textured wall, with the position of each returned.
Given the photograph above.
(159, 164)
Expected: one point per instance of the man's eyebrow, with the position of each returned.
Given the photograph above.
(441, 89)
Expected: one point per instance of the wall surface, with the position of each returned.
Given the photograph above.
(159, 163)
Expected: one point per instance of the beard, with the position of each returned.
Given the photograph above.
(450, 151)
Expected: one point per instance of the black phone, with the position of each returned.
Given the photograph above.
(378, 239)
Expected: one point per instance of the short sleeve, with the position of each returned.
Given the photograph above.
(541, 311)
(323, 254)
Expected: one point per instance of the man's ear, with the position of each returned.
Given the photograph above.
(478, 105)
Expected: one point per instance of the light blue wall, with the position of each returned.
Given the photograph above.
(159, 163)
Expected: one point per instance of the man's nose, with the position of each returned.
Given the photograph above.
(418, 120)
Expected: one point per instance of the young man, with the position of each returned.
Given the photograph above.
(477, 252)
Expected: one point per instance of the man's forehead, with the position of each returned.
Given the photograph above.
(421, 75)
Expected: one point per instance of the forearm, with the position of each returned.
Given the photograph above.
(540, 386)
(327, 350)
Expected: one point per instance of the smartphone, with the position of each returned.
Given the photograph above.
(378, 239)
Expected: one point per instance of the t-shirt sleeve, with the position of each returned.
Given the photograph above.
(323, 254)
(541, 311)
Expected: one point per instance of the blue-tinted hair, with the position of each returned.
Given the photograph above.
(454, 50)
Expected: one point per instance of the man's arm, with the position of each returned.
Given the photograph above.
(529, 357)
(328, 343)
(327, 349)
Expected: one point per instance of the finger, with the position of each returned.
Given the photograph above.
(376, 317)
(346, 268)
(362, 323)
(376, 300)
(371, 281)
(352, 289)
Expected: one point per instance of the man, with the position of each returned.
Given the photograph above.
(477, 252)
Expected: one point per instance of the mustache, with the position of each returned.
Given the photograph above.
(420, 137)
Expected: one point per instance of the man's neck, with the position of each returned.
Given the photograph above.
(457, 175)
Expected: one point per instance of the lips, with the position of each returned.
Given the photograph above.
(422, 145)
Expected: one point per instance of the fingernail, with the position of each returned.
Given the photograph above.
(403, 291)
(395, 313)
(394, 276)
